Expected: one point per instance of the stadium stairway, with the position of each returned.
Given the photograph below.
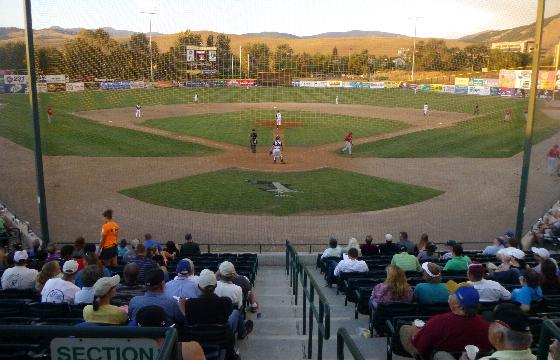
(277, 330)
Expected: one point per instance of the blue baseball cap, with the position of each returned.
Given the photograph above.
(183, 267)
(467, 296)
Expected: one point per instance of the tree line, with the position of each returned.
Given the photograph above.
(95, 53)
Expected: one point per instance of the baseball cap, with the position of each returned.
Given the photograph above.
(477, 269)
(388, 237)
(70, 267)
(153, 277)
(467, 296)
(452, 286)
(541, 252)
(508, 234)
(183, 267)
(206, 278)
(103, 285)
(152, 316)
(20, 255)
(514, 252)
(512, 317)
(502, 240)
(451, 242)
(226, 269)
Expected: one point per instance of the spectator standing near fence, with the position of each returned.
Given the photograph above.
(189, 248)
(109, 234)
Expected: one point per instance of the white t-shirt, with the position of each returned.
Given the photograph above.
(350, 265)
(232, 291)
(58, 290)
(425, 108)
(491, 291)
(19, 277)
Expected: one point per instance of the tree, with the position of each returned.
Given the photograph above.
(210, 40)
(224, 54)
(259, 57)
(334, 52)
(12, 55)
(477, 55)
(283, 58)
(139, 48)
(188, 38)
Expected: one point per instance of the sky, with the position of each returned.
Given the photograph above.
(437, 18)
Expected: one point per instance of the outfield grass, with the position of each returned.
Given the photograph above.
(484, 137)
(319, 192)
(317, 129)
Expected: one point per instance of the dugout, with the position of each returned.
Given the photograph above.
(274, 78)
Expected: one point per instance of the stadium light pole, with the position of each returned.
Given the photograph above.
(530, 122)
(414, 46)
(150, 13)
(556, 63)
(32, 83)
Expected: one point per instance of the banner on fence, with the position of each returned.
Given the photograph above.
(194, 83)
(392, 85)
(15, 88)
(462, 90)
(506, 91)
(492, 82)
(476, 82)
(115, 85)
(507, 79)
(546, 80)
(436, 87)
(495, 91)
(15, 79)
(459, 81)
(42, 87)
(75, 86)
(450, 89)
(56, 87)
(348, 84)
(1, 84)
(92, 85)
(295, 83)
(478, 90)
(137, 85)
(53, 79)
(424, 87)
(334, 84)
(377, 85)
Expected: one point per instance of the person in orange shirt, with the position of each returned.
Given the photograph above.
(109, 235)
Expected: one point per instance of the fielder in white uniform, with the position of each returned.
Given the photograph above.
(336, 100)
(426, 109)
(277, 149)
(195, 98)
(138, 111)
(278, 119)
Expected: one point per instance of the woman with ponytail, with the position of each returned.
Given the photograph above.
(49, 271)
(102, 312)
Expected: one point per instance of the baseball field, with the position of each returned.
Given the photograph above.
(185, 166)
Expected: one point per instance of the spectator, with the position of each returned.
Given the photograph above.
(170, 251)
(512, 268)
(449, 247)
(160, 262)
(432, 291)
(79, 244)
(406, 261)
(155, 296)
(352, 244)
(422, 244)
(131, 254)
(510, 334)
(102, 312)
(245, 286)
(459, 262)
(62, 290)
(500, 242)
(144, 263)
(394, 288)
(122, 250)
(349, 264)
(209, 308)
(189, 248)
(66, 253)
(185, 284)
(90, 276)
(149, 242)
(388, 248)
(488, 290)
(369, 249)
(92, 259)
(40, 260)
(130, 287)
(36, 246)
(541, 255)
(109, 235)
(550, 282)
(49, 271)
(53, 253)
(3, 265)
(530, 290)
(3, 230)
(403, 241)
(429, 254)
(333, 250)
(452, 331)
(20, 276)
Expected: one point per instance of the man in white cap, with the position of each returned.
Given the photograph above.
(20, 276)
(185, 284)
(388, 248)
(62, 290)
(226, 288)
(541, 255)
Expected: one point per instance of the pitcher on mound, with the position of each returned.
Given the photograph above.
(278, 119)
(276, 150)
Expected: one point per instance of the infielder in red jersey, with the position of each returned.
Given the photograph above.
(49, 114)
(348, 143)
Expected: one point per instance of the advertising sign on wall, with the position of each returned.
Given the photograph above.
(377, 85)
(461, 81)
(478, 90)
(42, 87)
(424, 87)
(137, 85)
(56, 87)
(15, 88)
(436, 88)
(492, 82)
(506, 91)
(334, 84)
(15, 79)
(450, 89)
(463, 90)
(507, 79)
(523, 79)
(476, 82)
(115, 85)
(546, 80)
(53, 79)
(92, 86)
(392, 85)
(75, 86)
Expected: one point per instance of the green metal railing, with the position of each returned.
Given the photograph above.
(322, 313)
(549, 330)
(343, 338)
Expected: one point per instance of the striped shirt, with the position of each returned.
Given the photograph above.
(406, 262)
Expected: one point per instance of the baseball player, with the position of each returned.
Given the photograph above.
(507, 117)
(426, 109)
(49, 114)
(278, 119)
(253, 141)
(348, 144)
(195, 98)
(476, 110)
(138, 111)
(277, 149)
(336, 100)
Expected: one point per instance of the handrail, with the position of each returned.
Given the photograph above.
(343, 338)
(295, 270)
(549, 329)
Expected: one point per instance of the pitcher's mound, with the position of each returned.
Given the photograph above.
(285, 124)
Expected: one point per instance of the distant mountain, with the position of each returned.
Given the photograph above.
(352, 33)
(272, 34)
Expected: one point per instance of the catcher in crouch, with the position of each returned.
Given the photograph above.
(277, 149)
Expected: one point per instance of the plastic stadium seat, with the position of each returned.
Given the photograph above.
(433, 309)
(13, 307)
(19, 294)
(49, 310)
(386, 312)
(214, 338)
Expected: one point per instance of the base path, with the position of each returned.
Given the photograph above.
(480, 198)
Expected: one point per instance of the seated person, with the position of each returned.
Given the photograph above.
(512, 267)
(130, 287)
(403, 241)
(122, 249)
(102, 312)
(59, 290)
(245, 286)
(449, 247)
(348, 265)
(530, 290)
(395, 288)
(500, 242)
(150, 242)
(90, 276)
(550, 281)
(452, 331)
(369, 249)
(422, 244)
(388, 248)
(131, 253)
(144, 262)
(92, 259)
(406, 261)
(352, 243)
(459, 261)
(185, 284)
(20, 276)
(488, 290)
(333, 250)
(429, 254)
(36, 246)
(541, 255)
(190, 248)
(432, 291)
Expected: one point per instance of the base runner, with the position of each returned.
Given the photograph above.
(277, 149)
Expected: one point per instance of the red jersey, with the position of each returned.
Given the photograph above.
(553, 153)
(49, 111)
(508, 112)
(348, 137)
(450, 332)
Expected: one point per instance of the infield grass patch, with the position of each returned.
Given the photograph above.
(319, 192)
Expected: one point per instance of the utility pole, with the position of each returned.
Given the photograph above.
(414, 46)
(150, 13)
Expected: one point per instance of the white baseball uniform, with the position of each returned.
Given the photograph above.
(278, 119)
(426, 109)
(195, 98)
(277, 150)
(138, 111)
(336, 100)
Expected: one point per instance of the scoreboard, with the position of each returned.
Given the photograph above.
(201, 60)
